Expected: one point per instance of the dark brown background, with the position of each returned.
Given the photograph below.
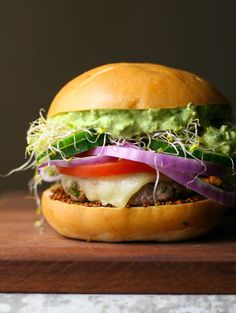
(43, 44)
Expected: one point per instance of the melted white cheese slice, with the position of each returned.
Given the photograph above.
(115, 190)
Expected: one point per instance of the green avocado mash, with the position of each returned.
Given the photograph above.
(206, 125)
(221, 139)
(129, 123)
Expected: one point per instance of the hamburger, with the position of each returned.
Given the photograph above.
(138, 152)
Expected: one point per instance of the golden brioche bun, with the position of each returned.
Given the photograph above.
(110, 224)
(134, 86)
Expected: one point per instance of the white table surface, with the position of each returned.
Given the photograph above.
(74, 303)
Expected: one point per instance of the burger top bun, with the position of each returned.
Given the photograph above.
(134, 86)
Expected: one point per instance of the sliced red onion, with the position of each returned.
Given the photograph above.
(168, 165)
(77, 161)
(161, 160)
(183, 170)
(196, 184)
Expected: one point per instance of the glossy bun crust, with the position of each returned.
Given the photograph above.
(134, 86)
(110, 224)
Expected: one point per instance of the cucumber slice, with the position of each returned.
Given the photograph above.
(83, 141)
(213, 157)
(199, 153)
(160, 146)
(71, 146)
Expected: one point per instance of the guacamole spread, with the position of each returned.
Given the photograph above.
(129, 123)
(210, 124)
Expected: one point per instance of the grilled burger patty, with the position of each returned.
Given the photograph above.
(164, 191)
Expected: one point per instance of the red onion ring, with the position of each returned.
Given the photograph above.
(77, 161)
(161, 160)
(177, 168)
(183, 170)
(196, 184)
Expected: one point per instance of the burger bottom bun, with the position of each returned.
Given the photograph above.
(111, 224)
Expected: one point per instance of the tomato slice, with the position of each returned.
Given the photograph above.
(116, 167)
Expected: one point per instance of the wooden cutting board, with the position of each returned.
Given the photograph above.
(31, 261)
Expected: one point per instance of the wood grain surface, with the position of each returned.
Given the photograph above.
(33, 261)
